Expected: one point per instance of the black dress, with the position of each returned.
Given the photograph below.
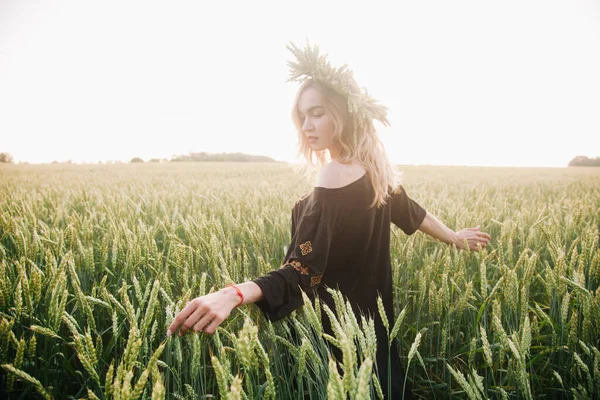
(339, 242)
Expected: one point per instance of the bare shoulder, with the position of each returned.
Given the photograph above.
(335, 175)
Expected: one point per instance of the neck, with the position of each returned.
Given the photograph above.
(334, 152)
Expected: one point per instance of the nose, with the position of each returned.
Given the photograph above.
(306, 126)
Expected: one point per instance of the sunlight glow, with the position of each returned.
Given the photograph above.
(467, 82)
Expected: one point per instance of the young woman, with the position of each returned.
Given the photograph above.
(340, 230)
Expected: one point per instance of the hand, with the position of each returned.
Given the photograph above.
(474, 236)
(205, 313)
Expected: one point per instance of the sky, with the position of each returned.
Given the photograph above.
(503, 83)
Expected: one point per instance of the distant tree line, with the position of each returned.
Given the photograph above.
(222, 157)
(8, 158)
(195, 157)
(583, 161)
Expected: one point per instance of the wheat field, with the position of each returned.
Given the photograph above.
(95, 260)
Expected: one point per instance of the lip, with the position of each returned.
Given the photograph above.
(312, 138)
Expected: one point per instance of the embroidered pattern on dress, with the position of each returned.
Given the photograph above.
(306, 248)
(315, 280)
(297, 265)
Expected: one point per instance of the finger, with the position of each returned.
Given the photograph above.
(483, 237)
(212, 328)
(201, 325)
(204, 321)
(191, 321)
(181, 316)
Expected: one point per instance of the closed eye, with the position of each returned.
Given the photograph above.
(316, 111)
(317, 115)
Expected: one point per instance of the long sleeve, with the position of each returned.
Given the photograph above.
(407, 214)
(305, 261)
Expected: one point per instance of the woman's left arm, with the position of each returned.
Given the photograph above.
(436, 228)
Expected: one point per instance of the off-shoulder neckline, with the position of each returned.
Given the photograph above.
(342, 187)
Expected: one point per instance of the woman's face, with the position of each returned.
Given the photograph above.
(317, 126)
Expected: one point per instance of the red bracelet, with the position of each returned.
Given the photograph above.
(239, 292)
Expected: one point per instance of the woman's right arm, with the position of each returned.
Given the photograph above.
(213, 308)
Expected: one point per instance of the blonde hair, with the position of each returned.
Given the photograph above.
(366, 147)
